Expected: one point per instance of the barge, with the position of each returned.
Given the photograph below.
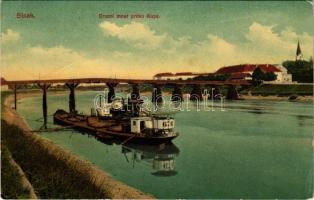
(124, 126)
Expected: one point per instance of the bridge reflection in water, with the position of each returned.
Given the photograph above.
(160, 158)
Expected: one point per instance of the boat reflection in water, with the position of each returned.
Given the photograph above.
(161, 158)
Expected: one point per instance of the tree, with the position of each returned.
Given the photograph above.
(257, 76)
(301, 70)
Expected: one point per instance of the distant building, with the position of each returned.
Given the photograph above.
(245, 71)
(236, 72)
(164, 76)
(175, 76)
(4, 87)
(284, 76)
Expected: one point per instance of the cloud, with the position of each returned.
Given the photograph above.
(67, 62)
(264, 41)
(134, 33)
(9, 36)
(61, 62)
(260, 33)
(261, 45)
(218, 47)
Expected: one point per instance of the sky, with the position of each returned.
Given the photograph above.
(67, 39)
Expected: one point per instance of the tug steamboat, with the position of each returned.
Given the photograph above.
(116, 121)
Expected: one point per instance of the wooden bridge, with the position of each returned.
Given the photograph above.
(196, 93)
(128, 81)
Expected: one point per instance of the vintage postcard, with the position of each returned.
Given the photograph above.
(157, 99)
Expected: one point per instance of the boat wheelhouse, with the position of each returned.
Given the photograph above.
(152, 125)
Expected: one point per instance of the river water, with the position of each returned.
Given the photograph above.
(252, 149)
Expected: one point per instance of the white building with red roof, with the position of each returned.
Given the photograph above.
(164, 76)
(175, 76)
(285, 76)
(245, 71)
(236, 72)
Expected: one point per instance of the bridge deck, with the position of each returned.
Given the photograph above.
(129, 81)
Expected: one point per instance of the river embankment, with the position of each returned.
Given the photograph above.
(19, 187)
(296, 92)
(305, 98)
(52, 171)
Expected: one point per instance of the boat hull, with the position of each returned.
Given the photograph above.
(106, 135)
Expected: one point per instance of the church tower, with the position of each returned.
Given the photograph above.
(298, 55)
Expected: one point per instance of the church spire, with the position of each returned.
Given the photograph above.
(298, 55)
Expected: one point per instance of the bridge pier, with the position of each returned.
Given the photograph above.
(135, 94)
(135, 99)
(111, 93)
(72, 87)
(177, 93)
(15, 96)
(232, 93)
(196, 93)
(44, 88)
(157, 94)
(214, 93)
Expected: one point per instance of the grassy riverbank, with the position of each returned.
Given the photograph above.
(280, 90)
(18, 187)
(49, 174)
(52, 171)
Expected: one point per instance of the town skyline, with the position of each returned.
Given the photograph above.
(61, 42)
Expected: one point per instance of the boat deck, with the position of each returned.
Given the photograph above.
(106, 128)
